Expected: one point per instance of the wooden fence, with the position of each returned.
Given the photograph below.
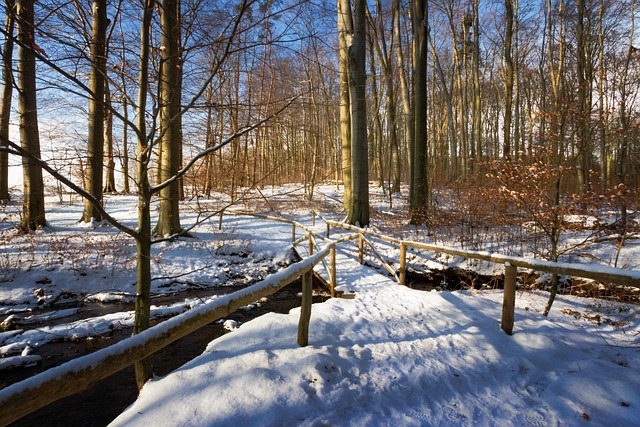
(20, 399)
(595, 272)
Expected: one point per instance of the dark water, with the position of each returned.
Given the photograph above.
(100, 404)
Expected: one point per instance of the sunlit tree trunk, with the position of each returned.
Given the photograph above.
(476, 115)
(390, 96)
(345, 25)
(420, 195)
(33, 209)
(376, 139)
(5, 96)
(452, 157)
(358, 212)
(584, 104)
(169, 123)
(143, 240)
(508, 80)
(405, 94)
(110, 178)
(95, 142)
(125, 147)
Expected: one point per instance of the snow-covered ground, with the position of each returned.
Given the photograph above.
(397, 356)
(388, 356)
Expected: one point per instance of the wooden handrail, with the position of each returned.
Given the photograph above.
(595, 272)
(20, 399)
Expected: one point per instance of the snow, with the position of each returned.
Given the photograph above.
(397, 356)
(387, 355)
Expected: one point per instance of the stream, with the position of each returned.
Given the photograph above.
(103, 402)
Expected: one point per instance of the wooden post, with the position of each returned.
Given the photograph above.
(313, 218)
(293, 233)
(305, 309)
(509, 301)
(403, 263)
(328, 230)
(332, 279)
(310, 244)
(220, 220)
(361, 249)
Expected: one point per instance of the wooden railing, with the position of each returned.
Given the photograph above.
(20, 399)
(595, 272)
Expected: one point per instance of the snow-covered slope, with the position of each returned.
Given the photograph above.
(397, 356)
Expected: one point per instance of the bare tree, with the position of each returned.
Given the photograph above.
(6, 94)
(170, 123)
(95, 143)
(508, 79)
(419, 201)
(345, 26)
(358, 212)
(33, 210)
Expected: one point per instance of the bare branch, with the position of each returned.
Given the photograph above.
(16, 149)
(237, 134)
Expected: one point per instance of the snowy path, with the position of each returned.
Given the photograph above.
(396, 356)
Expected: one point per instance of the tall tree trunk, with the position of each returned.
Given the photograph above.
(390, 97)
(125, 128)
(602, 134)
(584, 104)
(420, 194)
(170, 132)
(508, 80)
(345, 25)
(358, 212)
(143, 241)
(110, 179)
(125, 146)
(95, 143)
(556, 72)
(33, 209)
(405, 93)
(5, 97)
(377, 138)
(476, 115)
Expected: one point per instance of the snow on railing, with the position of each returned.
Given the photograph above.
(599, 273)
(20, 399)
(81, 373)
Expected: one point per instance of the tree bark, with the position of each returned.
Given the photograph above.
(420, 195)
(508, 81)
(95, 138)
(584, 104)
(33, 209)
(345, 26)
(476, 115)
(356, 41)
(405, 93)
(110, 181)
(143, 239)
(5, 97)
(170, 132)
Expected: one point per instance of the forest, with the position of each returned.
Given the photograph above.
(435, 94)
(482, 113)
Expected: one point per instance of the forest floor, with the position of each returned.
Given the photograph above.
(64, 293)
